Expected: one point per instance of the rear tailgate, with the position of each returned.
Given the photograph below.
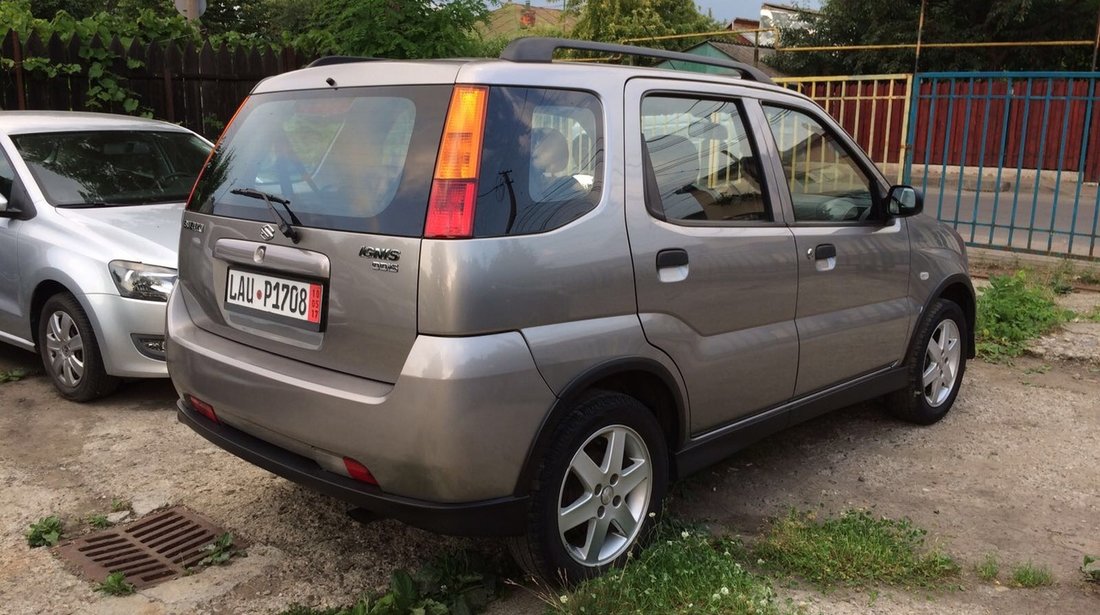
(355, 164)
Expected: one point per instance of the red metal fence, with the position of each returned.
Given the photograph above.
(197, 86)
(1029, 121)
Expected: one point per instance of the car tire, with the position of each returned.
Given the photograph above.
(935, 365)
(70, 353)
(580, 474)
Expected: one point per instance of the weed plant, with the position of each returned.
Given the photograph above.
(46, 532)
(1012, 311)
(115, 585)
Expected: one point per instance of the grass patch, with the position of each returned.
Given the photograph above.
(115, 585)
(46, 532)
(1012, 311)
(13, 375)
(854, 549)
(1030, 575)
(455, 583)
(683, 571)
(119, 504)
(988, 569)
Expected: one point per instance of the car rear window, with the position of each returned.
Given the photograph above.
(542, 160)
(113, 167)
(354, 159)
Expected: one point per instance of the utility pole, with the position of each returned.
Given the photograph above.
(1096, 47)
(920, 33)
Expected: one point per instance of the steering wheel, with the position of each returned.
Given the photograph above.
(840, 209)
(163, 180)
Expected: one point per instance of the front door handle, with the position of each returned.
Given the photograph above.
(672, 265)
(824, 257)
(824, 251)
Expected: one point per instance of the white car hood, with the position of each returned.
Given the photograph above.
(144, 233)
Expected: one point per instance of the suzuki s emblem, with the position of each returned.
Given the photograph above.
(267, 232)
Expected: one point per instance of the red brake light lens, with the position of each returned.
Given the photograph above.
(359, 472)
(202, 407)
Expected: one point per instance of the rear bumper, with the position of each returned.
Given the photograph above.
(499, 517)
(456, 427)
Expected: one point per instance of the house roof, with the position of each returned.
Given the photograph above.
(509, 20)
(744, 54)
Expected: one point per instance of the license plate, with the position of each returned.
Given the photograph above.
(280, 297)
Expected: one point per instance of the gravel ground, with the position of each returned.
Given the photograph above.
(1014, 470)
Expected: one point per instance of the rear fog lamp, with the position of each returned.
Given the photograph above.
(202, 407)
(359, 472)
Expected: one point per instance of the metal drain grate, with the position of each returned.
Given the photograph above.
(158, 547)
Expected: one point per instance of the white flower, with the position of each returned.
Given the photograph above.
(715, 597)
(652, 514)
(725, 591)
(563, 598)
(685, 534)
(759, 562)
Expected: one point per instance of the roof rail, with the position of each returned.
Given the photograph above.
(539, 49)
(330, 60)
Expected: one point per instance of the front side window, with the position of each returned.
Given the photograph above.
(701, 160)
(826, 184)
(113, 167)
(542, 160)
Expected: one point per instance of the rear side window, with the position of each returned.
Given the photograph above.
(701, 160)
(542, 160)
(355, 159)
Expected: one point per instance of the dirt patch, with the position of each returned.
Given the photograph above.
(1014, 470)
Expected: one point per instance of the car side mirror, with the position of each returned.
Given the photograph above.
(904, 201)
(4, 209)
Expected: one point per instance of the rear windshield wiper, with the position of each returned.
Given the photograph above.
(286, 228)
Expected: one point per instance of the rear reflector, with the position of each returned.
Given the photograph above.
(202, 407)
(454, 191)
(359, 472)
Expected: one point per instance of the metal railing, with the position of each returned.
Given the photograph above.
(1009, 159)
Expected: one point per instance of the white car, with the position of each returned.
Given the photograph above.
(90, 208)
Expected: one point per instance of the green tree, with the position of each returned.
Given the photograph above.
(394, 28)
(619, 20)
(878, 22)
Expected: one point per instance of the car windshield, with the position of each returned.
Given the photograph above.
(113, 167)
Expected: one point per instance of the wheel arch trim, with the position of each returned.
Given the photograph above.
(582, 384)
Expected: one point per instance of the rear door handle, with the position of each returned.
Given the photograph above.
(672, 265)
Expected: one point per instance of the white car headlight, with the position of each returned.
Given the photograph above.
(141, 281)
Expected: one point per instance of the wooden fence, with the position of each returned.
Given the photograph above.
(199, 87)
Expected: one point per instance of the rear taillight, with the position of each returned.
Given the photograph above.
(454, 188)
(202, 407)
(359, 472)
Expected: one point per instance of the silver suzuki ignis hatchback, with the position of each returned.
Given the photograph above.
(518, 297)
